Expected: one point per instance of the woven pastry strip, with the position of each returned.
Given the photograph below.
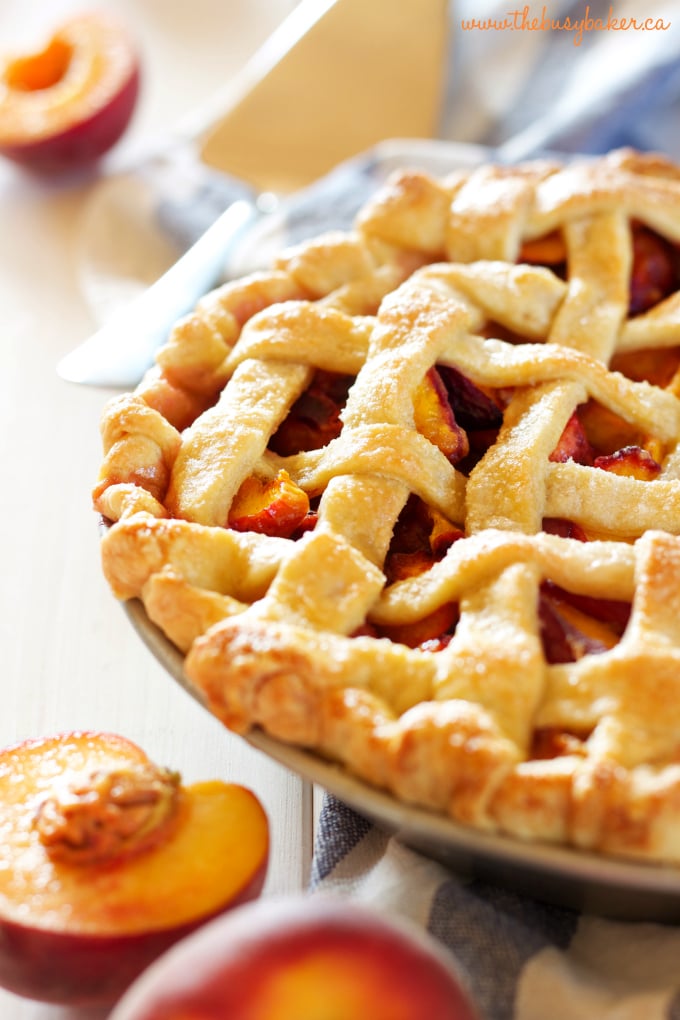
(518, 280)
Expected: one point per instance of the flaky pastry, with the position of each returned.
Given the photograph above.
(411, 499)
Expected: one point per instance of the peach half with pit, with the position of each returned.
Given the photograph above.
(69, 103)
(108, 860)
(301, 957)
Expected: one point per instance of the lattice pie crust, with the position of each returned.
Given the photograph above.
(552, 291)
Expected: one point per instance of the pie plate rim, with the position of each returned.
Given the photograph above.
(564, 876)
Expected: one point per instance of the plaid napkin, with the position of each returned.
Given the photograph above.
(523, 959)
(557, 76)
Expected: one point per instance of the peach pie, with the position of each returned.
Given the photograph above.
(411, 498)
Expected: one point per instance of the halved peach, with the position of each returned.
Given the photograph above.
(70, 102)
(304, 957)
(108, 860)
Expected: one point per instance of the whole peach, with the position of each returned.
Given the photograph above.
(305, 958)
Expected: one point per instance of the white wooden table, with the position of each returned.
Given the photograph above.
(71, 658)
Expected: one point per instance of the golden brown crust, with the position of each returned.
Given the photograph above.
(290, 634)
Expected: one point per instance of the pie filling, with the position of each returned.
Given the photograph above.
(463, 422)
(412, 499)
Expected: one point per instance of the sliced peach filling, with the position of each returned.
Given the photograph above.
(658, 366)
(421, 537)
(462, 419)
(274, 507)
(435, 419)
(457, 416)
(549, 250)
(655, 271)
(567, 631)
(432, 633)
(314, 419)
(553, 742)
(477, 410)
(279, 507)
(573, 626)
(598, 437)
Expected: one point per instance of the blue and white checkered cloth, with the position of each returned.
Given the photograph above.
(522, 958)
(562, 76)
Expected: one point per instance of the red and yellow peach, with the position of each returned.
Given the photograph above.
(298, 958)
(70, 102)
(109, 860)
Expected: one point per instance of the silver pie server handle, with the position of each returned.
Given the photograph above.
(119, 353)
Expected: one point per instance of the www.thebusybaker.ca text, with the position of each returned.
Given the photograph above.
(522, 20)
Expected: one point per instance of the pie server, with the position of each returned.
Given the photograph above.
(119, 353)
(337, 77)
